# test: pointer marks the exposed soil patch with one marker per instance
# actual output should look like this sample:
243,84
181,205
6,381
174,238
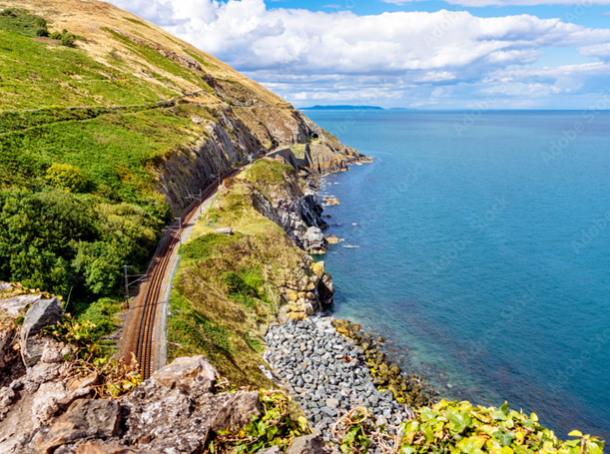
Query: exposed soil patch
55,42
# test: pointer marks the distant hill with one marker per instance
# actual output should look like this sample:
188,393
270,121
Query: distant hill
342,108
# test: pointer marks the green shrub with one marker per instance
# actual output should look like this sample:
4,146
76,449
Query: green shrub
55,35
101,314
68,40
22,22
39,233
9,12
229,101
65,176
462,428
40,22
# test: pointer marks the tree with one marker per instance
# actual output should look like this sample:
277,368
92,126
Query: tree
39,234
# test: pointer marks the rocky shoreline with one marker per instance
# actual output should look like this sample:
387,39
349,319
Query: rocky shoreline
327,374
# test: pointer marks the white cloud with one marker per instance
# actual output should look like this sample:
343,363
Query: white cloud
309,55
483,3
601,51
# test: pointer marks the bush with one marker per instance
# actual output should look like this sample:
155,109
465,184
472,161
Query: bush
38,237
9,12
40,22
68,40
462,428
42,32
65,176
55,35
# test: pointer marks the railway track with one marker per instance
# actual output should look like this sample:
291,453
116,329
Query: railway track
144,349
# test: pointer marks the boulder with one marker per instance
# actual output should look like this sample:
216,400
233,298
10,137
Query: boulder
18,304
42,313
309,444
86,418
188,374
332,239
326,290
314,241
319,269
237,412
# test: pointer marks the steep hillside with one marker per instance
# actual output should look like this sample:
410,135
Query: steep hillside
109,126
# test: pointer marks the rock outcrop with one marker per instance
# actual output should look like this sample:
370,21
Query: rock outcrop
173,412
42,313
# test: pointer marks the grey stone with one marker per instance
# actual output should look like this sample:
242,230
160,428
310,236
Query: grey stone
86,418
309,444
40,314
238,411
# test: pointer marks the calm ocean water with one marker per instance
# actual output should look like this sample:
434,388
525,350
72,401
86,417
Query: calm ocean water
482,250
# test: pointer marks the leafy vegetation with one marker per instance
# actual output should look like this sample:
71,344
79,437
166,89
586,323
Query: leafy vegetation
65,176
22,22
278,426
57,241
92,358
459,428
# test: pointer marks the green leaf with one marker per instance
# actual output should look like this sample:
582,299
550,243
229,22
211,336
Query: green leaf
593,448
504,408
429,434
471,444
427,414
575,433
505,438
459,421
499,415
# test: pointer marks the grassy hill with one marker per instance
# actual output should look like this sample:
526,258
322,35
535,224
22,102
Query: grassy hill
107,126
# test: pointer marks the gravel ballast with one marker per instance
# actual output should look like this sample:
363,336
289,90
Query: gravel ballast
326,373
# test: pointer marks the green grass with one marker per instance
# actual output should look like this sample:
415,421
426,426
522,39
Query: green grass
268,171
193,332
203,247
137,22
102,313
35,74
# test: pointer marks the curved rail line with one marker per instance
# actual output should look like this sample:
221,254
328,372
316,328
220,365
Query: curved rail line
158,270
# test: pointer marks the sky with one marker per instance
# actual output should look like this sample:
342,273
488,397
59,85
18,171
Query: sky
417,54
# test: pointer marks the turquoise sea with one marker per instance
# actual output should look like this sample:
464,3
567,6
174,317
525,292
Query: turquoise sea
478,243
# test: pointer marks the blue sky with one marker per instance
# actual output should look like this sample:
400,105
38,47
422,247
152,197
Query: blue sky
426,54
